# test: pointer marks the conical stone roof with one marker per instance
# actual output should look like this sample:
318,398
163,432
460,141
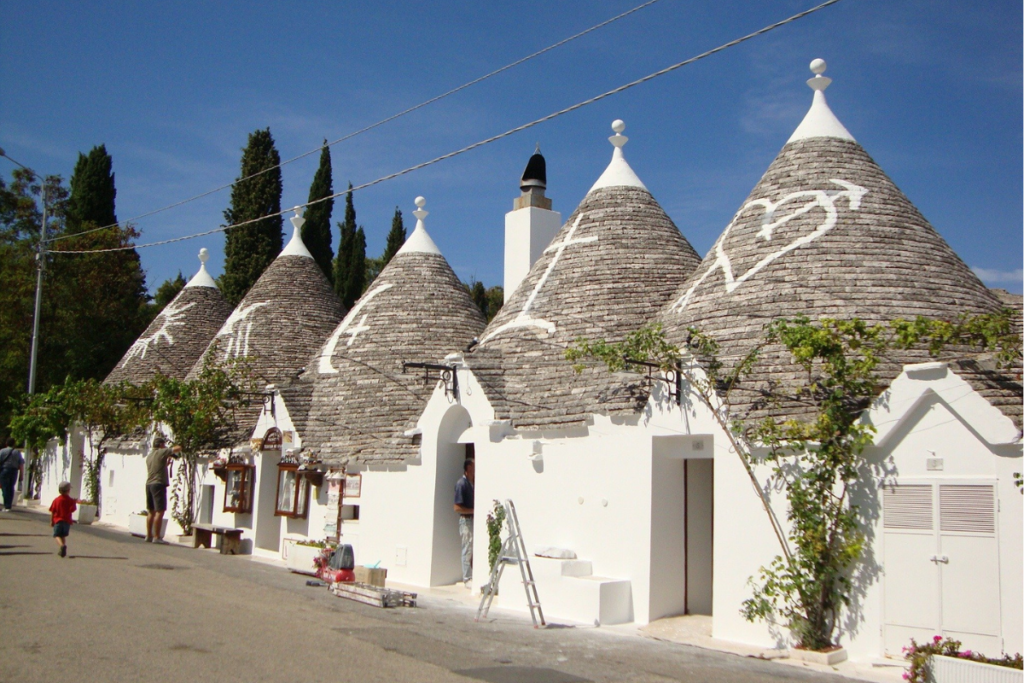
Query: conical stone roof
416,310
825,233
279,324
179,335
610,268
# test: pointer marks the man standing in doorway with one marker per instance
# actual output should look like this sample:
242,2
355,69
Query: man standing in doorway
156,488
464,506
12,468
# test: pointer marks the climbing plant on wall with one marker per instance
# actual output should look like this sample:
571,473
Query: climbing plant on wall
815,459
201,415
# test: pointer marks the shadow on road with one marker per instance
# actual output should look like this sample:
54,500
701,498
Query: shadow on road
94,557
7,534
21,552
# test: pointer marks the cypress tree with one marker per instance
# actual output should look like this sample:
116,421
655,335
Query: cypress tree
316,231
345,244
104,299
396,238
249,249
356,275
92,192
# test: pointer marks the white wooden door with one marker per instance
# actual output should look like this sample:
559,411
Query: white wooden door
941,573
969,560
911,583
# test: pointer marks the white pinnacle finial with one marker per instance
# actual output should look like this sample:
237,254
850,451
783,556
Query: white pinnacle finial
202,278
618,139
820,122
537,150
819,82
419,241
297,220
419,212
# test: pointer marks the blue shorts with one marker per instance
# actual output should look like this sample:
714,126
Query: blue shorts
61,529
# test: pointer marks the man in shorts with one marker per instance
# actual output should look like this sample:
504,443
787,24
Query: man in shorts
156,487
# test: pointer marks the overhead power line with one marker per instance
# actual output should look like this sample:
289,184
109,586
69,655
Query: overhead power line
372,125
517,129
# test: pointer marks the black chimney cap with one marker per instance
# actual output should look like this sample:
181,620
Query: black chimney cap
536,173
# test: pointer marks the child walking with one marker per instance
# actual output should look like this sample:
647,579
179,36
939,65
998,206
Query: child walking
60,516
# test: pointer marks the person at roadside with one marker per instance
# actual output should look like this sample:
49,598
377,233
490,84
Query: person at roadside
156,487
61,510
464,506
12,468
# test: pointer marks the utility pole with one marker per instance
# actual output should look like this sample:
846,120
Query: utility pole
40,266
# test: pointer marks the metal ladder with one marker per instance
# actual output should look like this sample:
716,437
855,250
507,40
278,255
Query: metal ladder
513,551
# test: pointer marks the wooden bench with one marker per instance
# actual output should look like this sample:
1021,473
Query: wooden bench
231,539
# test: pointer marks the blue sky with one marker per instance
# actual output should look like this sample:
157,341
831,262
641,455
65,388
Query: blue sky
932,89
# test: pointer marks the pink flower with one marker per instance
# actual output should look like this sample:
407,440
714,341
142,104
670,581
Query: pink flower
966,654
906,676
937,639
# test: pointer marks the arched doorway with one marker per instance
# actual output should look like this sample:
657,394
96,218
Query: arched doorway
446,561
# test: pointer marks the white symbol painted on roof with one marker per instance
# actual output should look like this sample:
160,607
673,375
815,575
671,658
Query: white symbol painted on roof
824,199
325,367
524,319
238,327
172,317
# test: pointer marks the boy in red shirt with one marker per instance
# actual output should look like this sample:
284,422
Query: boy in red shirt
60,516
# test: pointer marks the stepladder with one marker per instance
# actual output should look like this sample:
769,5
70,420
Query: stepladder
513,552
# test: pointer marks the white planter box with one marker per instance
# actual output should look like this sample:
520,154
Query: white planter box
137,526
956,670
85,514
299,558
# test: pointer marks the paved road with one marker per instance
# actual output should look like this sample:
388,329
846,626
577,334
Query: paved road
117,609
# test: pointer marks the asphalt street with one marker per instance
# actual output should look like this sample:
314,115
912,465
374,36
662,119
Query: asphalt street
118,609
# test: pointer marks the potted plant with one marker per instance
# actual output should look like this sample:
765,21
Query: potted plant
942,661
137,525
300,555
86,512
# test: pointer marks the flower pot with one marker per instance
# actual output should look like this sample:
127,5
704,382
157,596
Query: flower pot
299,558
85,514
137,526
827,658
955,670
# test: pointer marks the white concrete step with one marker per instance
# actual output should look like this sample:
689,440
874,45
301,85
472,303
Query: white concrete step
568,590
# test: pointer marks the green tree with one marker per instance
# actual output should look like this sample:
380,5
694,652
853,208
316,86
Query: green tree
343,259
816,459
92,192
356,271
396,238
94,304
20,221
166,292
250,248
488,299
316,231
200,415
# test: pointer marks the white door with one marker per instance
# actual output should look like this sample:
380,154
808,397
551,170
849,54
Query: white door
970,565
911,601
941,564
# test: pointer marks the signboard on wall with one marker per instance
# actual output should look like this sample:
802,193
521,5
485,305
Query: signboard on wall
353,485
272,440
333,513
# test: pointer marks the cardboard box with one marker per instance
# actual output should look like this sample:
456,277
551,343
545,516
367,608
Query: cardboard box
374,577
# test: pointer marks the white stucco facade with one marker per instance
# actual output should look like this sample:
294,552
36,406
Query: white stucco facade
634,498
